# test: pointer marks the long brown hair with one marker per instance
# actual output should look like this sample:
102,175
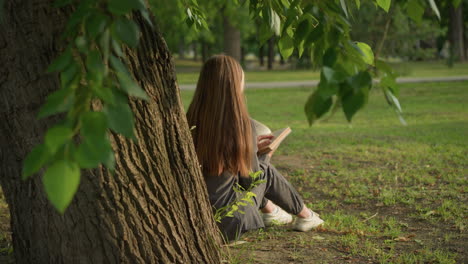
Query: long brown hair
222,133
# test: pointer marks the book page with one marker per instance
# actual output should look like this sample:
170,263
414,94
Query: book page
260,128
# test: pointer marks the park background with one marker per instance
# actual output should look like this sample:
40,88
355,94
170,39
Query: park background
388,192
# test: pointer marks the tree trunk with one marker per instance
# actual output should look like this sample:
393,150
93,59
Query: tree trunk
271,52
242,56
153,209
181,48
195,51
204,50
456,32
261,55
232,40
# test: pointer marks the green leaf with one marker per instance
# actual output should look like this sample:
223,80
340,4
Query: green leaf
91,152
120,118
316,106
145,14
286,46
122,7
264,34
81,44
95,66
35,160
104,45
61,181
275,22
362,80
368,55
315,35
68,76
332,75
352,101
83,10
126,31
95,147
384,4
116,47
302,30
61,62
300,48
415,10
104,93
57,136
126,81
95,24
393,100
110,161
358,4
344,7
434,8
330,56
59,101
327,89
94,125
384,67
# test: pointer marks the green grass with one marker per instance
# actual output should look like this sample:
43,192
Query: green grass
187,72
392,193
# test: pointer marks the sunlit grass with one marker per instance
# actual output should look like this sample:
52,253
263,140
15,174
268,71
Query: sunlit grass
393,193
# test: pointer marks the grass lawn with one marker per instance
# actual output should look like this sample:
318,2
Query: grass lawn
388,193
187,72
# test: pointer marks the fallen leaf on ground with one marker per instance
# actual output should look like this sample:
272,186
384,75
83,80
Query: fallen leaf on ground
402,239
318,238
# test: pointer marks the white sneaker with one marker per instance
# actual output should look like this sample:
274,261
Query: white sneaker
279,217
307,224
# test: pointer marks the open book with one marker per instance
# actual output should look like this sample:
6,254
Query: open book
279,136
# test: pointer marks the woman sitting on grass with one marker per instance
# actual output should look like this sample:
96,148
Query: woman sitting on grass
226,144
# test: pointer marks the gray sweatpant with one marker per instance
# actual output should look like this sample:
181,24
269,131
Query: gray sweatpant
275,188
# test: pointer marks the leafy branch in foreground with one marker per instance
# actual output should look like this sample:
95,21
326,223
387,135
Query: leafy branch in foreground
322,29
244,198
91,73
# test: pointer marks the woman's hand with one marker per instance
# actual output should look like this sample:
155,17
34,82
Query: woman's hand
264,140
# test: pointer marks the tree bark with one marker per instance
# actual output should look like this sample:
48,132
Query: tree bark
456,32
181,48
204,50
153,209
232,39
261,55
195,51
271,52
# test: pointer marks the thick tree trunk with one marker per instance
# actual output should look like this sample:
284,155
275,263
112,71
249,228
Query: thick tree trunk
153,209
232,39
456,32
271,52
